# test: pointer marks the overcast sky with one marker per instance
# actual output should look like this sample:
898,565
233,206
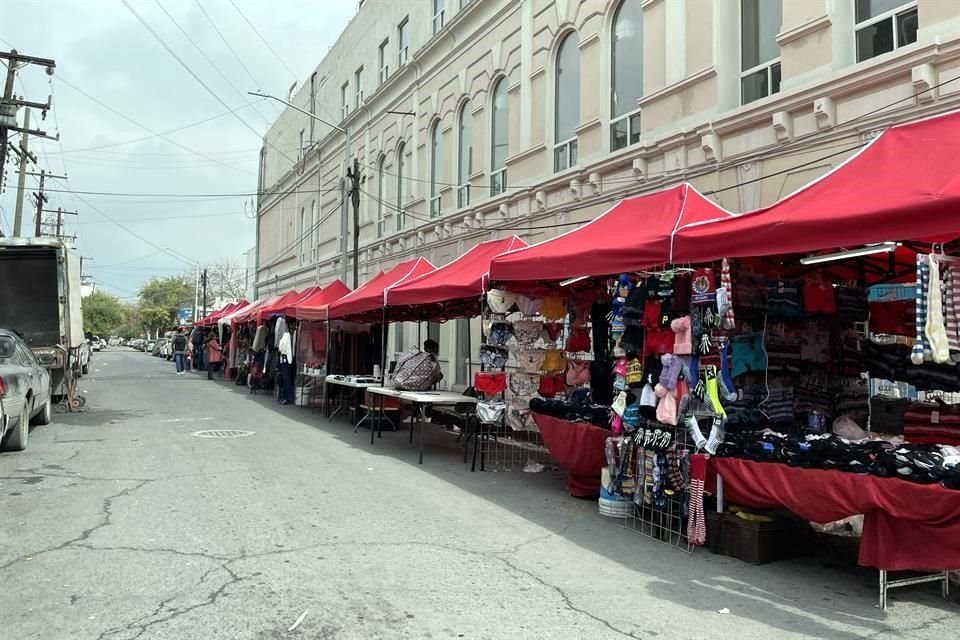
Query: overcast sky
101,48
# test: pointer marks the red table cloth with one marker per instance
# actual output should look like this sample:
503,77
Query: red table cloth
905,525
578,447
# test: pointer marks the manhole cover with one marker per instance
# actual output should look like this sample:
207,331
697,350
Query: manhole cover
222,433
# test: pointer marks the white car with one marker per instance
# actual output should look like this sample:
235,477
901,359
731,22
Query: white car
96,344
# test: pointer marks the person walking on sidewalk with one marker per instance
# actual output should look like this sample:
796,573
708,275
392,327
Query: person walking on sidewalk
180,351
285,349
214,354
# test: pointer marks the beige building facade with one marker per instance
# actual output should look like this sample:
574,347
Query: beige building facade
476,119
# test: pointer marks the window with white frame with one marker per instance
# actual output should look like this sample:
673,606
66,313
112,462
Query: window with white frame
883,26
344,103
402,43
383,63
436,169
626,74
301,237
760,22
499,138
315,233
262,179
437,16
358,87
301,148
401,176
465,154
381,193
566,103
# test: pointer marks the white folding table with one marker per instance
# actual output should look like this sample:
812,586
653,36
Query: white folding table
419,401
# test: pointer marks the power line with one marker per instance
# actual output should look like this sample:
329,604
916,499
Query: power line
152,132
211,62
240,194
199,80
219,33
165,218
263,40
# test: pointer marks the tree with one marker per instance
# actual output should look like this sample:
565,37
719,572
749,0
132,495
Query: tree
161,298
226,279
103,314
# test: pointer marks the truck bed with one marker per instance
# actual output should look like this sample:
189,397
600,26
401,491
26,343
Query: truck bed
30,294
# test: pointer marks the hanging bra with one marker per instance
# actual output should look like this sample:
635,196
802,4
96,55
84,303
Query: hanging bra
493,357
500,301
490,412
554,360
578,372
551,385
519,419
532,360
490,382
552,331
499,333
528,331
529,306
524,385
579,340
554,308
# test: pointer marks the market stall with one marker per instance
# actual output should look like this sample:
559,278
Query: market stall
773,349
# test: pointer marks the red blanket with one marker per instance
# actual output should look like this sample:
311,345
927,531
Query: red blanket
578,447
905,526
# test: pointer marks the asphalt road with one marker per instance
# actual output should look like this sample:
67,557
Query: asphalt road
120,523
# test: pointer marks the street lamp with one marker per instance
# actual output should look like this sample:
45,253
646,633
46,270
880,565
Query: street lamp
343,185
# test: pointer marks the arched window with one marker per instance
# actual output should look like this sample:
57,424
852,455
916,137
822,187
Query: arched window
315,235
499,138
626,74
465,154
566,103
401,176
380,195
301,237
436,168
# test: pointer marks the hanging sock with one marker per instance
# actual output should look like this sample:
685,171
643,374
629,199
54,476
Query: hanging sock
935,327
921,348
951,303
713,391
729,321
717,434
729,389
697,522
693,428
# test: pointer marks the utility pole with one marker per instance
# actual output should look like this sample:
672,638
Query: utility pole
204,293
344,207
355,180
58,223
41,200
7,110
24,156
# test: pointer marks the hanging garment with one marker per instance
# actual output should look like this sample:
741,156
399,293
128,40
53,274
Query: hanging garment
951,303
935,328
921,349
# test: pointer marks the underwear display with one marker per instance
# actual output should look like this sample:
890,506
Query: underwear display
501,301
489,382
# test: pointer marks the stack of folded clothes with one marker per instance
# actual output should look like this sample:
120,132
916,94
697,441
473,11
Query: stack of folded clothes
923,464
887,414
892,362
595,414
932,423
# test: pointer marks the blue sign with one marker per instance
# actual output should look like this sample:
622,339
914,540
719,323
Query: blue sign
184,316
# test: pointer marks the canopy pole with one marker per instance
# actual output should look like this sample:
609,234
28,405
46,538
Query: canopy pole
383,349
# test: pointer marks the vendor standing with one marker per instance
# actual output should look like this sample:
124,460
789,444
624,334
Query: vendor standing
285,349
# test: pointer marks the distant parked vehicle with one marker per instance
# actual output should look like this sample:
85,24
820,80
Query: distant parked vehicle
24,391
96,344
150,346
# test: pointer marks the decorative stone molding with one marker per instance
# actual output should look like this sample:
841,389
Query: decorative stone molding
479,218
710,143
468,221
783,126
447,229
504,210
541,199
803,30
924,78
421,236
596,182
825,112
575,189
639,168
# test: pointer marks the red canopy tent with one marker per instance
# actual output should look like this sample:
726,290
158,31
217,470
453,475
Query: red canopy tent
366,303
250,313
905,185
277,305
452,290
219,313
314,306
633,234
287,310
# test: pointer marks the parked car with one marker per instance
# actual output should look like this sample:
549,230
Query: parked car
24,391
86,353
149,346
96,344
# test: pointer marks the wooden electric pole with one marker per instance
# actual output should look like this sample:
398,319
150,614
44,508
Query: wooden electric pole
356,178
